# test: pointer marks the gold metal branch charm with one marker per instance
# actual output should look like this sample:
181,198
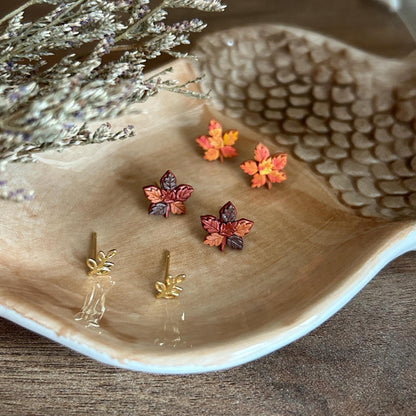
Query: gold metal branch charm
94,304
169,289
99,265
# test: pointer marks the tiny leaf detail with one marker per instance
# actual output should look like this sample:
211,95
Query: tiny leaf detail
235,241
225,230
160,287
178,208
210,224
157,209
153,194
213,240
111,253
243,227
91,263
218,145
101,266
168,181
101,256
169,197
265,169
228,212
183,192
169,289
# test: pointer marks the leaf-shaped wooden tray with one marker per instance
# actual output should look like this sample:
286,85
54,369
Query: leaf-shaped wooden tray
348,208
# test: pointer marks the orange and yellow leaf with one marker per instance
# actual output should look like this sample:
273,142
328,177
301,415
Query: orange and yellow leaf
249,166
276,177
258,181
216,142
230,137
265,167
212,154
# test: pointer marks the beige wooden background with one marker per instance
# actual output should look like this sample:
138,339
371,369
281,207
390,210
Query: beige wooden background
361,362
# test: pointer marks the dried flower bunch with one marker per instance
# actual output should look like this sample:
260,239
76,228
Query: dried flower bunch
46,104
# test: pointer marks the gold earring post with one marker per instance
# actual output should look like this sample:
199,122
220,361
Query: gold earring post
167,265
93,246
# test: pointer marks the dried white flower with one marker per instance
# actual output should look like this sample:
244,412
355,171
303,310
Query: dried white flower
47,106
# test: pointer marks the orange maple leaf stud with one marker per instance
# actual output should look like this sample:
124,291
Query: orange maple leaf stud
265,169
218,145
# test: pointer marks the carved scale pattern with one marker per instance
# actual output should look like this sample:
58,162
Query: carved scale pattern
326,104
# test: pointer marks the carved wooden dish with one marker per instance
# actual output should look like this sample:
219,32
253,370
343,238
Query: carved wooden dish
348,208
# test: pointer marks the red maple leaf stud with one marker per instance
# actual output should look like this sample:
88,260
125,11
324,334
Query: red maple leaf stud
169,197
226,230
218,145
265,169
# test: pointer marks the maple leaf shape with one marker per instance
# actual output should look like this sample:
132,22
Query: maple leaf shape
265,169
235,241
153,194
218,145
243,227
169,197
178,207
214,239
210,224
225,230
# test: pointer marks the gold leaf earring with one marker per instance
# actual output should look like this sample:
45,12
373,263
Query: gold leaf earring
99,267
169,289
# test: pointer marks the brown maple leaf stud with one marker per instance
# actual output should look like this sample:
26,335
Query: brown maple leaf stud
168,197
226,230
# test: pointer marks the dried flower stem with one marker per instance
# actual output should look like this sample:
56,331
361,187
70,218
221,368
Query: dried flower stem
46,104
19,10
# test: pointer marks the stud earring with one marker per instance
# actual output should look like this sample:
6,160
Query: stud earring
167,197
265,168
99,266
218,145
169,288
225,230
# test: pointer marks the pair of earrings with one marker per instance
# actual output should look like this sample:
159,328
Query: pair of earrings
168,197
99,266
265,168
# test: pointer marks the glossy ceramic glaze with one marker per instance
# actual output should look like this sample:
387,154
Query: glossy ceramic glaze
318,238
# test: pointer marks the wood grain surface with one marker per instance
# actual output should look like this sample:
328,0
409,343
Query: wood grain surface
361,362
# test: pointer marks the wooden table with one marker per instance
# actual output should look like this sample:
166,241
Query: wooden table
361,362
